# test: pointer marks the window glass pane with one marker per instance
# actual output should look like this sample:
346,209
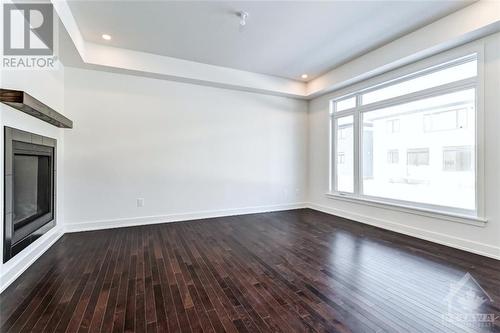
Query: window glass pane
447,75
345,154
430,158
345,104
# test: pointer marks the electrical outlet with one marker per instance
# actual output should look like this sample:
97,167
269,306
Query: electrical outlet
140,202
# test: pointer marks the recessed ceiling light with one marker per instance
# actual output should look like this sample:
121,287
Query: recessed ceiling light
304,76
106,37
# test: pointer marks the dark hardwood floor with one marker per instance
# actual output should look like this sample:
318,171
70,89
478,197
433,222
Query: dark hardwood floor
292,271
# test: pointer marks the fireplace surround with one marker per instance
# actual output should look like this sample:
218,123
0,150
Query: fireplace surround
29,188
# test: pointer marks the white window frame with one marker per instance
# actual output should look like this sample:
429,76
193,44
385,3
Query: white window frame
422,67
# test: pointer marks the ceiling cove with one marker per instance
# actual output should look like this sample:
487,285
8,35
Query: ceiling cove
233,68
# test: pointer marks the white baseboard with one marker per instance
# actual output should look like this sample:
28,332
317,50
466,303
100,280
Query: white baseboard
455,242
12,269
435,237
136,221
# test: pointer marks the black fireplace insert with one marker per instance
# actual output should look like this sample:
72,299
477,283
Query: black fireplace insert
28,189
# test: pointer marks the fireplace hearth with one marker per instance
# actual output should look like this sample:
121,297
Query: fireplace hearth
29,189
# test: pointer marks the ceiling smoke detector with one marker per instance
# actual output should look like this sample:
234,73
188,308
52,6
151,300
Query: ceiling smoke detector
243,17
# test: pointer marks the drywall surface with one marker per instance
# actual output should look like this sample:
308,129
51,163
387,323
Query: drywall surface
186,150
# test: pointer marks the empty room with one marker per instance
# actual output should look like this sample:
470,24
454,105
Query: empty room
250,166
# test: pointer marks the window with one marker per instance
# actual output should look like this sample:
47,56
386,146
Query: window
393,156
457,158
345,104
417,157
341,158
433,112
459,72
393,126
445,120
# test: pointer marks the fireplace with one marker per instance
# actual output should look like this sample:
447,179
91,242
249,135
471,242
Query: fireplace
28,189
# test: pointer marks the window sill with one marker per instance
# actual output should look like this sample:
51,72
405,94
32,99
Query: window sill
471,220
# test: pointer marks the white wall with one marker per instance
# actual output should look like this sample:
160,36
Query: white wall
48,87
483,240
188,150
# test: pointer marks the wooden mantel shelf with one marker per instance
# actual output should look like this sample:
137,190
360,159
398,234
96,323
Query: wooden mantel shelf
28,104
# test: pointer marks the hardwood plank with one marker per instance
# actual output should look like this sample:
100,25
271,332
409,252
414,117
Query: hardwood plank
290,271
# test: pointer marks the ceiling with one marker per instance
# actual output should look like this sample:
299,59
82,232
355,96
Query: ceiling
281,38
